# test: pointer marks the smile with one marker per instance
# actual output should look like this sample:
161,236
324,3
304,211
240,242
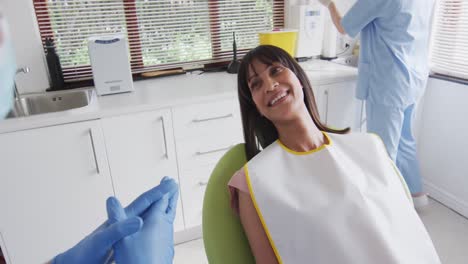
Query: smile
278,98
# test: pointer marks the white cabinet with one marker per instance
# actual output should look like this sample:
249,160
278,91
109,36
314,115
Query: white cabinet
141,151
53,187
204,132
338,106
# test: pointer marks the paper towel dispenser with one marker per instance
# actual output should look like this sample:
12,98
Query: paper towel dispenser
110,63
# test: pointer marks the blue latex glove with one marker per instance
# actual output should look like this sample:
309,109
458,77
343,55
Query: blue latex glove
154,243
96,247
144,201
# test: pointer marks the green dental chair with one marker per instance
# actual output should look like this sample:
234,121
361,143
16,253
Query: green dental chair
223,235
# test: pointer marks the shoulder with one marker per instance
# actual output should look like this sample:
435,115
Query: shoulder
376,139
238,181
237,186
352,137
377,8
357,141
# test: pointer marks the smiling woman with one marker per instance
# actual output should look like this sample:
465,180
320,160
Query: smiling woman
314,194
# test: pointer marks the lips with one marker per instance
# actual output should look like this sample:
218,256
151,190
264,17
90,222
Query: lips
278,98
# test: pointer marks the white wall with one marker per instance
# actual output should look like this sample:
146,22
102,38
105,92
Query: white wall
27,43
443,145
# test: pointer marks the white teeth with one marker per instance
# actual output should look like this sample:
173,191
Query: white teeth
272,102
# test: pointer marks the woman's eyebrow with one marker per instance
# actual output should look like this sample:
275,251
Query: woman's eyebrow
258,74
251,68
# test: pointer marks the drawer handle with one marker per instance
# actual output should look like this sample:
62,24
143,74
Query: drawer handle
197,120
94,151
198,153
166,155
202,183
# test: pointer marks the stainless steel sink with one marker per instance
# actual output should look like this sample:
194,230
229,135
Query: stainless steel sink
46,103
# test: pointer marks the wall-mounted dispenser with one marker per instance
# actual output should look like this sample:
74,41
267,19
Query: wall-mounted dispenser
110,62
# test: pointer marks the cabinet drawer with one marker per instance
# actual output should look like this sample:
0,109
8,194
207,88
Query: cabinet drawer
205,150
196,120
193,184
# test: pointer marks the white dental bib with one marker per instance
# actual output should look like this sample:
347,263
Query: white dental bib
344,202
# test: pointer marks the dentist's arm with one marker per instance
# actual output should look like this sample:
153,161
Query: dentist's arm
335,14
336,17
94,249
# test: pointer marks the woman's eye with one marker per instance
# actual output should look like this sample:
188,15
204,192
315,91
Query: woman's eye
276,70
254,85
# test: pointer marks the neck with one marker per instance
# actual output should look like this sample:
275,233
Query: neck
300,134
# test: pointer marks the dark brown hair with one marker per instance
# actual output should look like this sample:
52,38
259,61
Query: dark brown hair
258,130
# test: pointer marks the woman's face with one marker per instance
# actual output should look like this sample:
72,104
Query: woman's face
276,91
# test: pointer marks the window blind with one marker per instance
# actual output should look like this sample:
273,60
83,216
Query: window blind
161,34
449,55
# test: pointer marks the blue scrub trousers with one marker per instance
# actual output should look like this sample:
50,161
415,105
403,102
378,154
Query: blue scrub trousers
393,125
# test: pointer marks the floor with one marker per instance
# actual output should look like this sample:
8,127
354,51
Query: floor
191,252
449,232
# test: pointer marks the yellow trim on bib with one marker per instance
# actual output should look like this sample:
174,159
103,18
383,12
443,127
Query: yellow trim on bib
306,152
402,180
272,243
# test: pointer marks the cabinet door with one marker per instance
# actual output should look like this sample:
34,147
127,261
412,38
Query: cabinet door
197,159
342,109
204,132
53,189
321,97
141,151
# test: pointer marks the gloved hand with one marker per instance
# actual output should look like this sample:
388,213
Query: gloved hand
154,243
144,201
94,248
325,3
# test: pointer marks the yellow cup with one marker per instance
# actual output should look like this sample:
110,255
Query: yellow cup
285,39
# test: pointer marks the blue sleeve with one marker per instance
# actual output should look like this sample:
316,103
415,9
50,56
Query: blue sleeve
364,12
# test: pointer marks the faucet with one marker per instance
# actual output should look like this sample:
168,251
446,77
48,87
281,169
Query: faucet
20,70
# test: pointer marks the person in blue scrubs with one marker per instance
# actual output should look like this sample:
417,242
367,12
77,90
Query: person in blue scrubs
140,233
393,72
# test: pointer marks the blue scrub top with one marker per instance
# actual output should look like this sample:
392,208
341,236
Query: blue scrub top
393,60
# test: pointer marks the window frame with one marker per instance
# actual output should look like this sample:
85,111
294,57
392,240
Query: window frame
136,53
434,31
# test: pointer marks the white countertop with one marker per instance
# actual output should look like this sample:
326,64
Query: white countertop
170,91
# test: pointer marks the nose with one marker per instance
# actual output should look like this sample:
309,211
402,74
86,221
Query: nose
272,84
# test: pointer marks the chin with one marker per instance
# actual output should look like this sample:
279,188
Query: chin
283,118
